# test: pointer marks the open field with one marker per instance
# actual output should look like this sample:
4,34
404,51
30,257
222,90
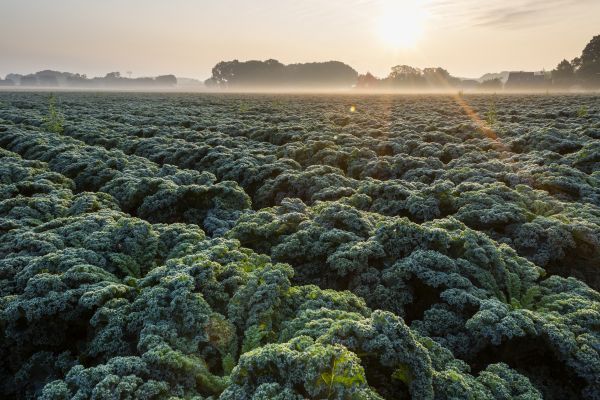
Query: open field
294,246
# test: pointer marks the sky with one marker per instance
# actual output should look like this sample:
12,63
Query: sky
188,37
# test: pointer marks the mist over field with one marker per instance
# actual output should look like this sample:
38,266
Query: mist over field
579,75
298,200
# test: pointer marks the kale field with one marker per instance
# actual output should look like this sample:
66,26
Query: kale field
239,247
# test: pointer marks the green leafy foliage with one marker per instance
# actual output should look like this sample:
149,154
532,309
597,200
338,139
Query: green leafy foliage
235,247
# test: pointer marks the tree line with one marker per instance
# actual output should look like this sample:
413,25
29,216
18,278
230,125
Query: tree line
272,73
583,71
49,78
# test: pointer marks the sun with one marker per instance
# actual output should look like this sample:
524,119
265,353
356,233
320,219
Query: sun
401,23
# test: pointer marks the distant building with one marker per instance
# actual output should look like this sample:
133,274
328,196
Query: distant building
525,80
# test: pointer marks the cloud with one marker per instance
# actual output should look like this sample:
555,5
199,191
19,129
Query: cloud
510,18
508,14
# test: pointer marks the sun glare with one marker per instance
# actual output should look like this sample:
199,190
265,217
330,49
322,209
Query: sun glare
401,23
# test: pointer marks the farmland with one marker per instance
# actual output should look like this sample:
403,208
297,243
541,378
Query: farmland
239,247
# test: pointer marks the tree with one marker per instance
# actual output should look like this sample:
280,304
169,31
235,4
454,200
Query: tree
272,73
113,75
405,75
321,74
564,74
166,80
367,81
589,69
491,84
439,77
211,83
29,80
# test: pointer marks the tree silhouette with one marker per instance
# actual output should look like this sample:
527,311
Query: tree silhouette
564,74
367,81
491,84
439,77
589,63
405,75
272,73
166,80
113,75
